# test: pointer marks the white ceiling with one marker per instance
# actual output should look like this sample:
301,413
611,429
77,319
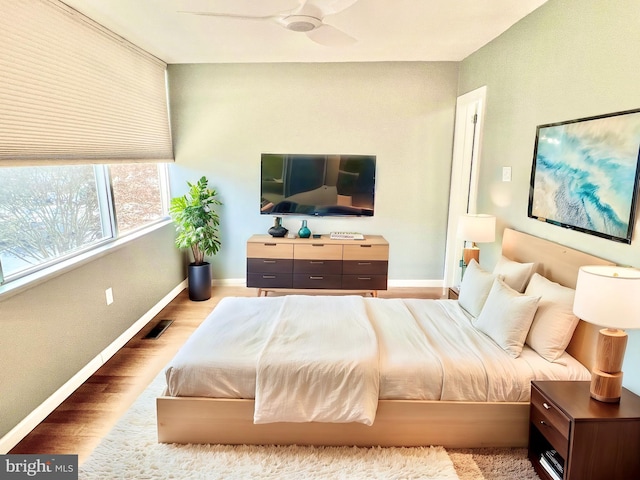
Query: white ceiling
387,30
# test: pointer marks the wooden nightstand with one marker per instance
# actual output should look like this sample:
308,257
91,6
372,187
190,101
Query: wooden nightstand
453,293
596,440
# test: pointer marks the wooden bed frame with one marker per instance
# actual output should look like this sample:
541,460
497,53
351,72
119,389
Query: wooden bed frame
398,422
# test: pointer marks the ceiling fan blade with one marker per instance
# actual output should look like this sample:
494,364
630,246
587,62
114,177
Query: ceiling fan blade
330,36
327,7
234,15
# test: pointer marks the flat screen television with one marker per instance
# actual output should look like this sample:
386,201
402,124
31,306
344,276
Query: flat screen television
317,185
585,174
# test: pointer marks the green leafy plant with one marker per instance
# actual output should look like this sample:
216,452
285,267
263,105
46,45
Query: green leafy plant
196,220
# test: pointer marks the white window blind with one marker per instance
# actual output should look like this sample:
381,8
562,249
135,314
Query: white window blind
71,91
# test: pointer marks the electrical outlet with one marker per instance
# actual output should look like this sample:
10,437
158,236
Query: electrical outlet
506,174
109,295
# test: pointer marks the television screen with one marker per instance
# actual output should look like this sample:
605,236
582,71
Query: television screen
320,185
585,174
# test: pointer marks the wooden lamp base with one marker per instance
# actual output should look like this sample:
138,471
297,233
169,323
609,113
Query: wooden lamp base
606,377
472,253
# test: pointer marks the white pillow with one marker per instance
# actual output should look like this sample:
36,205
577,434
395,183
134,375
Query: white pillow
507,316
554,322
514,274
474,288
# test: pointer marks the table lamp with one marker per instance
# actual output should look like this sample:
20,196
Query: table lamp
475,228
608,296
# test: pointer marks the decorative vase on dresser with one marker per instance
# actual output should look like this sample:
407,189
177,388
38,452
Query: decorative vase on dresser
277,230
304,231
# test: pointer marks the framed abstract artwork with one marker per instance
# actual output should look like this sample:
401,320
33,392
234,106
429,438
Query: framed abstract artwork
585,174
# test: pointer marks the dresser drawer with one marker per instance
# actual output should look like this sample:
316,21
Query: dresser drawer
270,280
318,266
364,282
269,265
365,251
269,250
359,267
301,280
317,251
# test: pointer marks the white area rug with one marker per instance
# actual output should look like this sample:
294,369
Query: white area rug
131,451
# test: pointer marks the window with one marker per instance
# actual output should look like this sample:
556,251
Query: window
137,195
51,213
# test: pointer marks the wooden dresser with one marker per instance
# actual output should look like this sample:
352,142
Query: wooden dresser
317,263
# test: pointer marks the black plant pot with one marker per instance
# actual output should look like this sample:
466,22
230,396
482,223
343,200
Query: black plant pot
199,282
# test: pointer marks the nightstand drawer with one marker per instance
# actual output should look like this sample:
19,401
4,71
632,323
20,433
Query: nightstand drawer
557,440
551,413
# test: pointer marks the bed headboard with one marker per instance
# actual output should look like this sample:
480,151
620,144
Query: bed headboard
559,264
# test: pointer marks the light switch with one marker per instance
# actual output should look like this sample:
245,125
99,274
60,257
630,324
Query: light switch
506,174
109,295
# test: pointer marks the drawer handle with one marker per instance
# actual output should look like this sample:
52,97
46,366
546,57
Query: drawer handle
270,244
316,278
364,263
268,276
316,262
268,261
317,244
365,246
364,278
546,405
542,422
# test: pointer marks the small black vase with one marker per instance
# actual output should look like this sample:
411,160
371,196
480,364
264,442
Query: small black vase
277,230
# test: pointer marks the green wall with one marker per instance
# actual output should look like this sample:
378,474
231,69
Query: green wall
51,330
224,116
568,59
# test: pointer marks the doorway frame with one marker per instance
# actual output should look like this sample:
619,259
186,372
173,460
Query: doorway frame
465,167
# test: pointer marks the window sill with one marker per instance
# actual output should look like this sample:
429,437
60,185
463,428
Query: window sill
37,278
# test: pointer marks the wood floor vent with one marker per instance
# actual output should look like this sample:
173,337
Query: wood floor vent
158,329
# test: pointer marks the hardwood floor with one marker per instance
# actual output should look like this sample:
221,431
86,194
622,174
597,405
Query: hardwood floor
80,422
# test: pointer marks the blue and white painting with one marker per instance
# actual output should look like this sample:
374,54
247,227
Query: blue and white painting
585,174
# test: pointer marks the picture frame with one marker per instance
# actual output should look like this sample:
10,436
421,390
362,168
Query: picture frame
585,174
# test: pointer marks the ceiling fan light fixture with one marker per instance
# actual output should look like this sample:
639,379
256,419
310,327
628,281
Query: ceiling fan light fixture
301,23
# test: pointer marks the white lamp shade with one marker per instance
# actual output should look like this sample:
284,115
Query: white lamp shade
608,296
477,228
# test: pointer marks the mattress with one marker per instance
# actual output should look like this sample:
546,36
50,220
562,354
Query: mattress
426,350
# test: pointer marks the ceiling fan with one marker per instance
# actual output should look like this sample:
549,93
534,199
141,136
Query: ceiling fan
307,18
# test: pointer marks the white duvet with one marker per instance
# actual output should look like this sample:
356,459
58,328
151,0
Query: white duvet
329,358
319,364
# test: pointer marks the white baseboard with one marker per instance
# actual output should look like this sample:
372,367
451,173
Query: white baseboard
416,283
22,429
229,282
241,282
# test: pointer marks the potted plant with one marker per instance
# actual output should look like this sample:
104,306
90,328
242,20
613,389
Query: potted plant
197,225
